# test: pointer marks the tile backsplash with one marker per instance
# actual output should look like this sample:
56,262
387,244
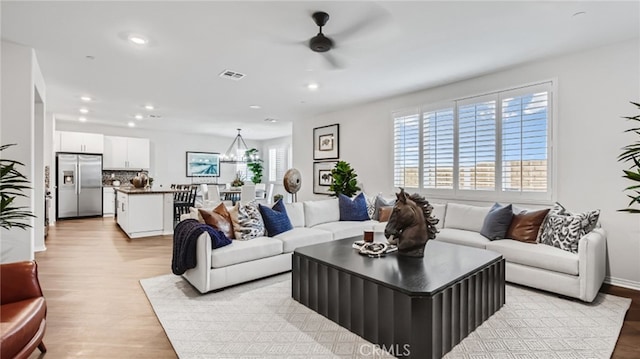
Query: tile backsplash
125,177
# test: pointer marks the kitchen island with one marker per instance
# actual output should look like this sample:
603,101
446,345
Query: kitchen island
145,212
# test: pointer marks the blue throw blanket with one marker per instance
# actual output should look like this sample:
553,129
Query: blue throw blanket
185,238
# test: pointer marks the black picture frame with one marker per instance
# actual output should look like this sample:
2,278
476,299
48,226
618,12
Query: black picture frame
326,142
202,164
320,182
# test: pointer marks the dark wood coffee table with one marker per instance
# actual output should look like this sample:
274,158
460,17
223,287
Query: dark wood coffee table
412,307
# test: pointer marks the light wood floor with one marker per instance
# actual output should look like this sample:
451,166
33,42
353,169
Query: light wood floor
97,309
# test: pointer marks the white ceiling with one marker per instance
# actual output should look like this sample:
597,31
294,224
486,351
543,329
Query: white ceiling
409,46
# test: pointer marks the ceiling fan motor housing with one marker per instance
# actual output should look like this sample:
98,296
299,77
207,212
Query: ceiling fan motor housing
320,43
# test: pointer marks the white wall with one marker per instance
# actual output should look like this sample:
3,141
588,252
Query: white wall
168,150
21,80
594,90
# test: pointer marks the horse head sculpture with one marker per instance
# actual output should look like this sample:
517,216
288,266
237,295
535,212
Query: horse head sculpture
411,224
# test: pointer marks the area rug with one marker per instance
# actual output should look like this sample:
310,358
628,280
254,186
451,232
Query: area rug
260,320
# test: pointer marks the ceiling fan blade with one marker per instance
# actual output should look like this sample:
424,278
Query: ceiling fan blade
335,64
374,18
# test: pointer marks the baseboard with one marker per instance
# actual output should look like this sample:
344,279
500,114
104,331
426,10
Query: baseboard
623,283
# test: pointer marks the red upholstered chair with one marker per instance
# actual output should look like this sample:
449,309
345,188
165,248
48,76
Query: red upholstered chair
22,310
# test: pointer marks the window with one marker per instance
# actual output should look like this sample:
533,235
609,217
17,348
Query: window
437,134
493,144
279,162
406,150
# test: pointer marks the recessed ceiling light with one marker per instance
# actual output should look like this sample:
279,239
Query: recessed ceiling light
272,120
149,107
84,110
579,13
138,39
312,86
255,107
82,119
139,117
86,98
131,124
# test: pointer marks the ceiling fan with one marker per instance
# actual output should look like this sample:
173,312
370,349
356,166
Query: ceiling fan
322,43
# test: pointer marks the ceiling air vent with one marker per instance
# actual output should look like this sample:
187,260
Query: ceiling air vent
232,75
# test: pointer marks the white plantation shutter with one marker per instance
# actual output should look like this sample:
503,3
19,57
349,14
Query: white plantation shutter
437,134
406,151
524,142
278,163
477,145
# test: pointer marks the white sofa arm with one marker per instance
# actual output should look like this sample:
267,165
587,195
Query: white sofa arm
592,250
200,275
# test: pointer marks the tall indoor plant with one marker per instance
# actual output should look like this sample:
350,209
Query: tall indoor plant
254,163
12,185
344,180
632,153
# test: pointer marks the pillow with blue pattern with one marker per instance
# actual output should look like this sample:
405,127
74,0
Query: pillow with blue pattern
275,219
353,210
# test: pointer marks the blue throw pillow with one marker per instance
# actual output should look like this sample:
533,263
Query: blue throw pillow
275,219
353,210
497,222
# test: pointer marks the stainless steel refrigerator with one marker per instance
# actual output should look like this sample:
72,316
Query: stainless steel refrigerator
79,185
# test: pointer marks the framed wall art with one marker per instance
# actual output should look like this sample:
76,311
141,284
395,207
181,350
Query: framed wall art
326,142
203,164
322,178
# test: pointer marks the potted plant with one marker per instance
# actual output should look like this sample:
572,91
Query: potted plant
238,181
12,185
632,153
255,165
344,180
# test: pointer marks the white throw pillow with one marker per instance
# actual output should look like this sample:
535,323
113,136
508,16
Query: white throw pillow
295,212
323,211
464,216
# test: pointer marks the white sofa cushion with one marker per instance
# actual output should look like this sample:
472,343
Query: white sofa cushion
323,211
439,211
244,251
464,216
347,229
295,211
300,237
536,255
463,237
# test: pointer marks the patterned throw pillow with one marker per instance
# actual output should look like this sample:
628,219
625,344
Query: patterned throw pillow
247,221
353,210
381,202
371,204
275,219
563,230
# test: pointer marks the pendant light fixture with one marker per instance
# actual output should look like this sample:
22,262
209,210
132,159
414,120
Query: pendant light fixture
237,151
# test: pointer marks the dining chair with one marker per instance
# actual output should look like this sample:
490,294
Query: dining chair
214,197
261,190
270,193
247,193
185,200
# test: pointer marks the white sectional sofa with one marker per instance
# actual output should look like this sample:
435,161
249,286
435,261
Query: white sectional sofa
578,275
535,265
313,221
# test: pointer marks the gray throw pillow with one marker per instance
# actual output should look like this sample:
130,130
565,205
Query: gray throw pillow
497,222
381,202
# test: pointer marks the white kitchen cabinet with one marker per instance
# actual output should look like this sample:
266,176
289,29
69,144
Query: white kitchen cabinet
126,153
138,152
144,213
108,201
80,142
